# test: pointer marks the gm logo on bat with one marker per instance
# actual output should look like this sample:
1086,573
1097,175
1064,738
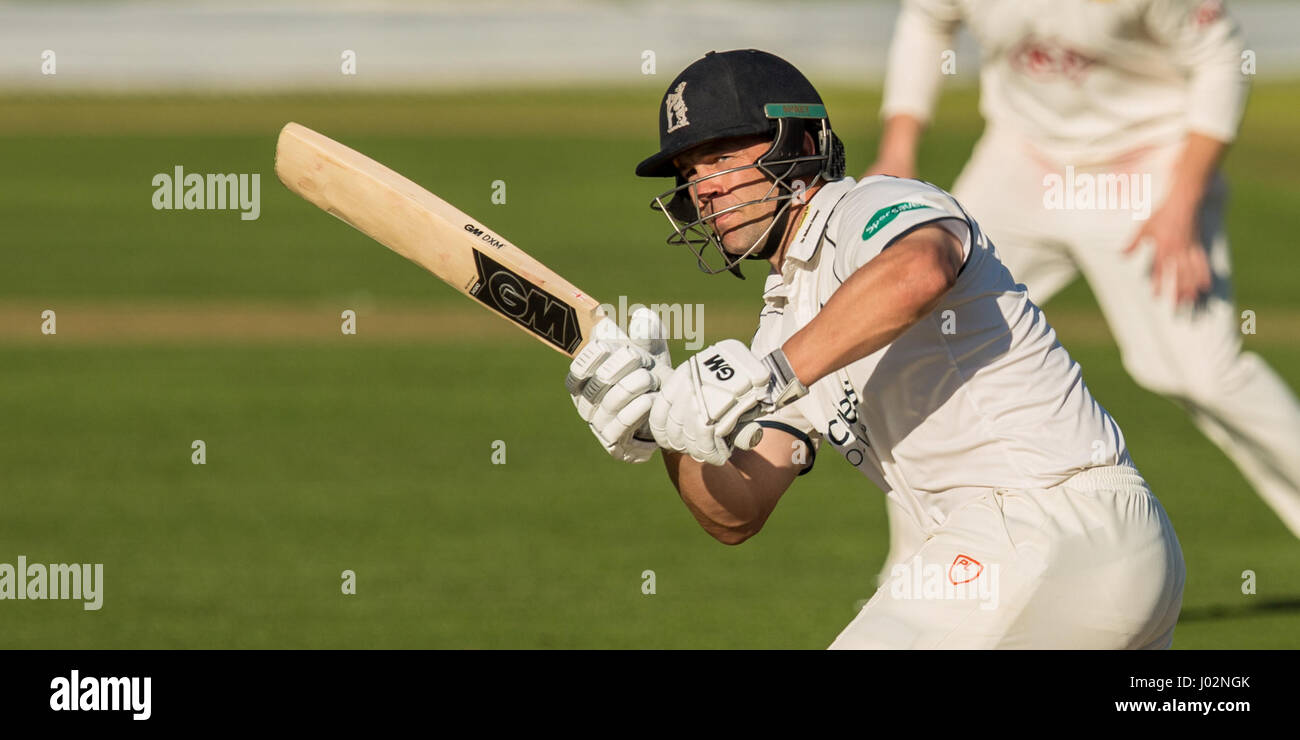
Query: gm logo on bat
471,228
519,300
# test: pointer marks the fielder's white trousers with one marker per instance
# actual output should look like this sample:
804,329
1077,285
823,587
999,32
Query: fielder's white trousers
1092,563
1191,355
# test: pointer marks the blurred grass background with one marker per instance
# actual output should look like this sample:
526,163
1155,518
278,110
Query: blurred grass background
326,453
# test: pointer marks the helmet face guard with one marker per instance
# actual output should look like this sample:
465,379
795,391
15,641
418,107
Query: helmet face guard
790,173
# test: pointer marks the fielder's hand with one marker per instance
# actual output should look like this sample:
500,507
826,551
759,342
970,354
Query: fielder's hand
719,390
1179,260
612,382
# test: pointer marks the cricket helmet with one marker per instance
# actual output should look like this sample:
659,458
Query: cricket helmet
734,94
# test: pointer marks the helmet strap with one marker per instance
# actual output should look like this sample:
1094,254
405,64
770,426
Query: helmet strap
775,236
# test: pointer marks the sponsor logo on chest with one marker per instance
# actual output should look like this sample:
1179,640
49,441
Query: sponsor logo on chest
845,428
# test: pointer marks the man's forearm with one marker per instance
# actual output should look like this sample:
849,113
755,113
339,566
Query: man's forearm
878,302
899,141
1192,171
731,502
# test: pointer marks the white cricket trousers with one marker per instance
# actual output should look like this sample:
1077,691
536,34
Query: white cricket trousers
1193,356
1091,563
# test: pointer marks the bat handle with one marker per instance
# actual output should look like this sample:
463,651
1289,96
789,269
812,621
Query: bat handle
748,436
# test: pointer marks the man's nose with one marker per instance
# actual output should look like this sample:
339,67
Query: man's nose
708,186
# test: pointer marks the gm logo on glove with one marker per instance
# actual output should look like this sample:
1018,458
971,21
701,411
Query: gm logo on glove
721,370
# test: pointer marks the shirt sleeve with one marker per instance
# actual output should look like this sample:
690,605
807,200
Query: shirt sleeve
884,209
1207,43
924,30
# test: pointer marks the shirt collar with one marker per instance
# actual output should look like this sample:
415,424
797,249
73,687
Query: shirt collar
775,290
808,237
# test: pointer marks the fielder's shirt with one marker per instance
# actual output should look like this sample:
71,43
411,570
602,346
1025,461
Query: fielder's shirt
1081,80
977,395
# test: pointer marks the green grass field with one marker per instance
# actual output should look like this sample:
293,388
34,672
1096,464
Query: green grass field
327,452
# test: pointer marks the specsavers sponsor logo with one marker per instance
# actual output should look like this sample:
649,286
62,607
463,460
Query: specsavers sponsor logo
882,217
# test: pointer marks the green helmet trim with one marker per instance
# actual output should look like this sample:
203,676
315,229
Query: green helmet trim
794,110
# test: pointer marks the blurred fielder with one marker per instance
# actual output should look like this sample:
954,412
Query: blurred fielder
1136,98
890,330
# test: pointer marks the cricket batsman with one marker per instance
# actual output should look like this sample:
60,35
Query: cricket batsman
890,330
1136,98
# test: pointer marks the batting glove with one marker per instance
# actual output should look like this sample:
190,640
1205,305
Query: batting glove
719,390
612,382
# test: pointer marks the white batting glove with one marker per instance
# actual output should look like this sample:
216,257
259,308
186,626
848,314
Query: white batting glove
612,380
646,332
715,392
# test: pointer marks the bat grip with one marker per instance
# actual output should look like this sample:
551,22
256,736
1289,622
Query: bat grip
747,436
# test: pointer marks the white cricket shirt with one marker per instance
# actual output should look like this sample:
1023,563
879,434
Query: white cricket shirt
977,395
1083,80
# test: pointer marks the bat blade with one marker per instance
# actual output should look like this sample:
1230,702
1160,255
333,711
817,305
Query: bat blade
432,233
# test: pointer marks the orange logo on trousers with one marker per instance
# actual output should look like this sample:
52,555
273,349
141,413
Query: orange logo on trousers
964,570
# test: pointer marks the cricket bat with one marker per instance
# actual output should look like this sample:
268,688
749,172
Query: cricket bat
435,235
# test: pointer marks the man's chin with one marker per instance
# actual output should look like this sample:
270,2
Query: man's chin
736,245
734,252
741,238
735,242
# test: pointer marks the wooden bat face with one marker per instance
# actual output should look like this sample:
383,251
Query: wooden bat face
427,230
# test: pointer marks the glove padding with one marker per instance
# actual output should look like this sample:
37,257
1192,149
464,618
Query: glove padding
707,398
611,381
